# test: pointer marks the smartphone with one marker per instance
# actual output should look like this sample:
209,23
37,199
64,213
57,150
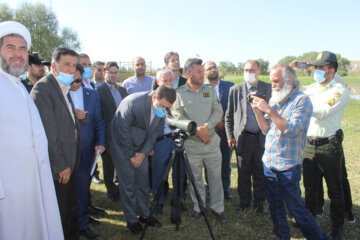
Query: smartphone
300,64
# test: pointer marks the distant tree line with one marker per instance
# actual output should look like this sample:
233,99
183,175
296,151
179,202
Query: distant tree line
46,35
343,63
228,68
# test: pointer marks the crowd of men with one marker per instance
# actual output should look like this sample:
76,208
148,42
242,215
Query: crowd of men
53,126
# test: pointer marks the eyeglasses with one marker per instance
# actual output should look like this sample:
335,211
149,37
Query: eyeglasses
78,80
113,73
211,68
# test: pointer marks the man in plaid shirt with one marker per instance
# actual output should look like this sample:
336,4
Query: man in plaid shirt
285,124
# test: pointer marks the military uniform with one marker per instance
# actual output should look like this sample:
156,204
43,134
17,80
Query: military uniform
28,85
203,107
323,153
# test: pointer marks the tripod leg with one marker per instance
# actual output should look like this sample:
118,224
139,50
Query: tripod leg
201,203
161,189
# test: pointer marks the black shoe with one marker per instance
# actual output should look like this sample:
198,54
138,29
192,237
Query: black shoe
261,209
96,211
183,208
158,209
88,234
241,208
337,233
153,222
194,215
349,217
228,195
220,216
93,222
135,227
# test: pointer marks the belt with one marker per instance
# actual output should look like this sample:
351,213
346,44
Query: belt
317,141
252,133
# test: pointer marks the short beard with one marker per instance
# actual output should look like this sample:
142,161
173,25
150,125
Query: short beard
279,94
12,71
213,78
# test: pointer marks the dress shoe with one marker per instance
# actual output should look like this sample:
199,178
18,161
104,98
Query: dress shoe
88,234
93,222
183,208
228,195
158,210
261,209
135,227
194,215
349,217
152,222
220,216
96,211
241,208
337,233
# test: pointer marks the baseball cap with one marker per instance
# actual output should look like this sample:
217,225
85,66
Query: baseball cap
324,58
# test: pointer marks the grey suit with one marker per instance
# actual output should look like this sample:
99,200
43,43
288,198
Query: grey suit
64,143
109,107
132,132
249,146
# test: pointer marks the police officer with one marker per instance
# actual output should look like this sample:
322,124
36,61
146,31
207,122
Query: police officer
34,71
323,153
198,102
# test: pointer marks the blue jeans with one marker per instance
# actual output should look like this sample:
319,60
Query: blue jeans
283,186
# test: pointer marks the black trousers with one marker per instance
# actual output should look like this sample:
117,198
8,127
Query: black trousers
109,171
346,188
67,201
326,160
250,165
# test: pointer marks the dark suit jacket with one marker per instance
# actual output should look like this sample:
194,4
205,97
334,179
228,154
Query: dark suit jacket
130,128
93,131
224,88
63,134
182,81
236,114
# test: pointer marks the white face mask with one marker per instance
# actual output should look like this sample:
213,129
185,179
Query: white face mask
249,77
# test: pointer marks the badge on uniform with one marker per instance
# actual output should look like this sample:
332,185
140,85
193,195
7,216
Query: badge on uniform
331,102
207,94
337,95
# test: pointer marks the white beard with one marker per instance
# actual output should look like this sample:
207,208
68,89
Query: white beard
278,94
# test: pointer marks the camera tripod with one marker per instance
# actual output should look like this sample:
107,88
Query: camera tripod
178,155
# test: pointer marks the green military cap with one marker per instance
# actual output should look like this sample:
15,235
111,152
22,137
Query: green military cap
324,58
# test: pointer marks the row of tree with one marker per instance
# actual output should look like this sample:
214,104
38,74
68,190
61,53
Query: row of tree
343,63
47,35
44,27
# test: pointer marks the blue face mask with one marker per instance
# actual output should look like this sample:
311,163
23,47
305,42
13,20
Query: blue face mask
65,78
159,112
87,73
319,75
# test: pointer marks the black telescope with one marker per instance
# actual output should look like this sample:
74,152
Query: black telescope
186,125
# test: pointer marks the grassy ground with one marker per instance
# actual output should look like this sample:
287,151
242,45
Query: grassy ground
245,225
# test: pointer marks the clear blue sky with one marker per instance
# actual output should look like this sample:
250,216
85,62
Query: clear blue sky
223,30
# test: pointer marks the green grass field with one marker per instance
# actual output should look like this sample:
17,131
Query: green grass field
244,225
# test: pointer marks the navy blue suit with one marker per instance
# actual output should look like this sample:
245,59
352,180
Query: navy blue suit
224,89
92,134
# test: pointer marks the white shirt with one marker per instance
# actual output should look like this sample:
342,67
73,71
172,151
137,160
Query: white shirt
329,104
77,98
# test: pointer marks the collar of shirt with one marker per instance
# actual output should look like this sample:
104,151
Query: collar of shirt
77,98
110,87
64,89
13,79
187,88
248,85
